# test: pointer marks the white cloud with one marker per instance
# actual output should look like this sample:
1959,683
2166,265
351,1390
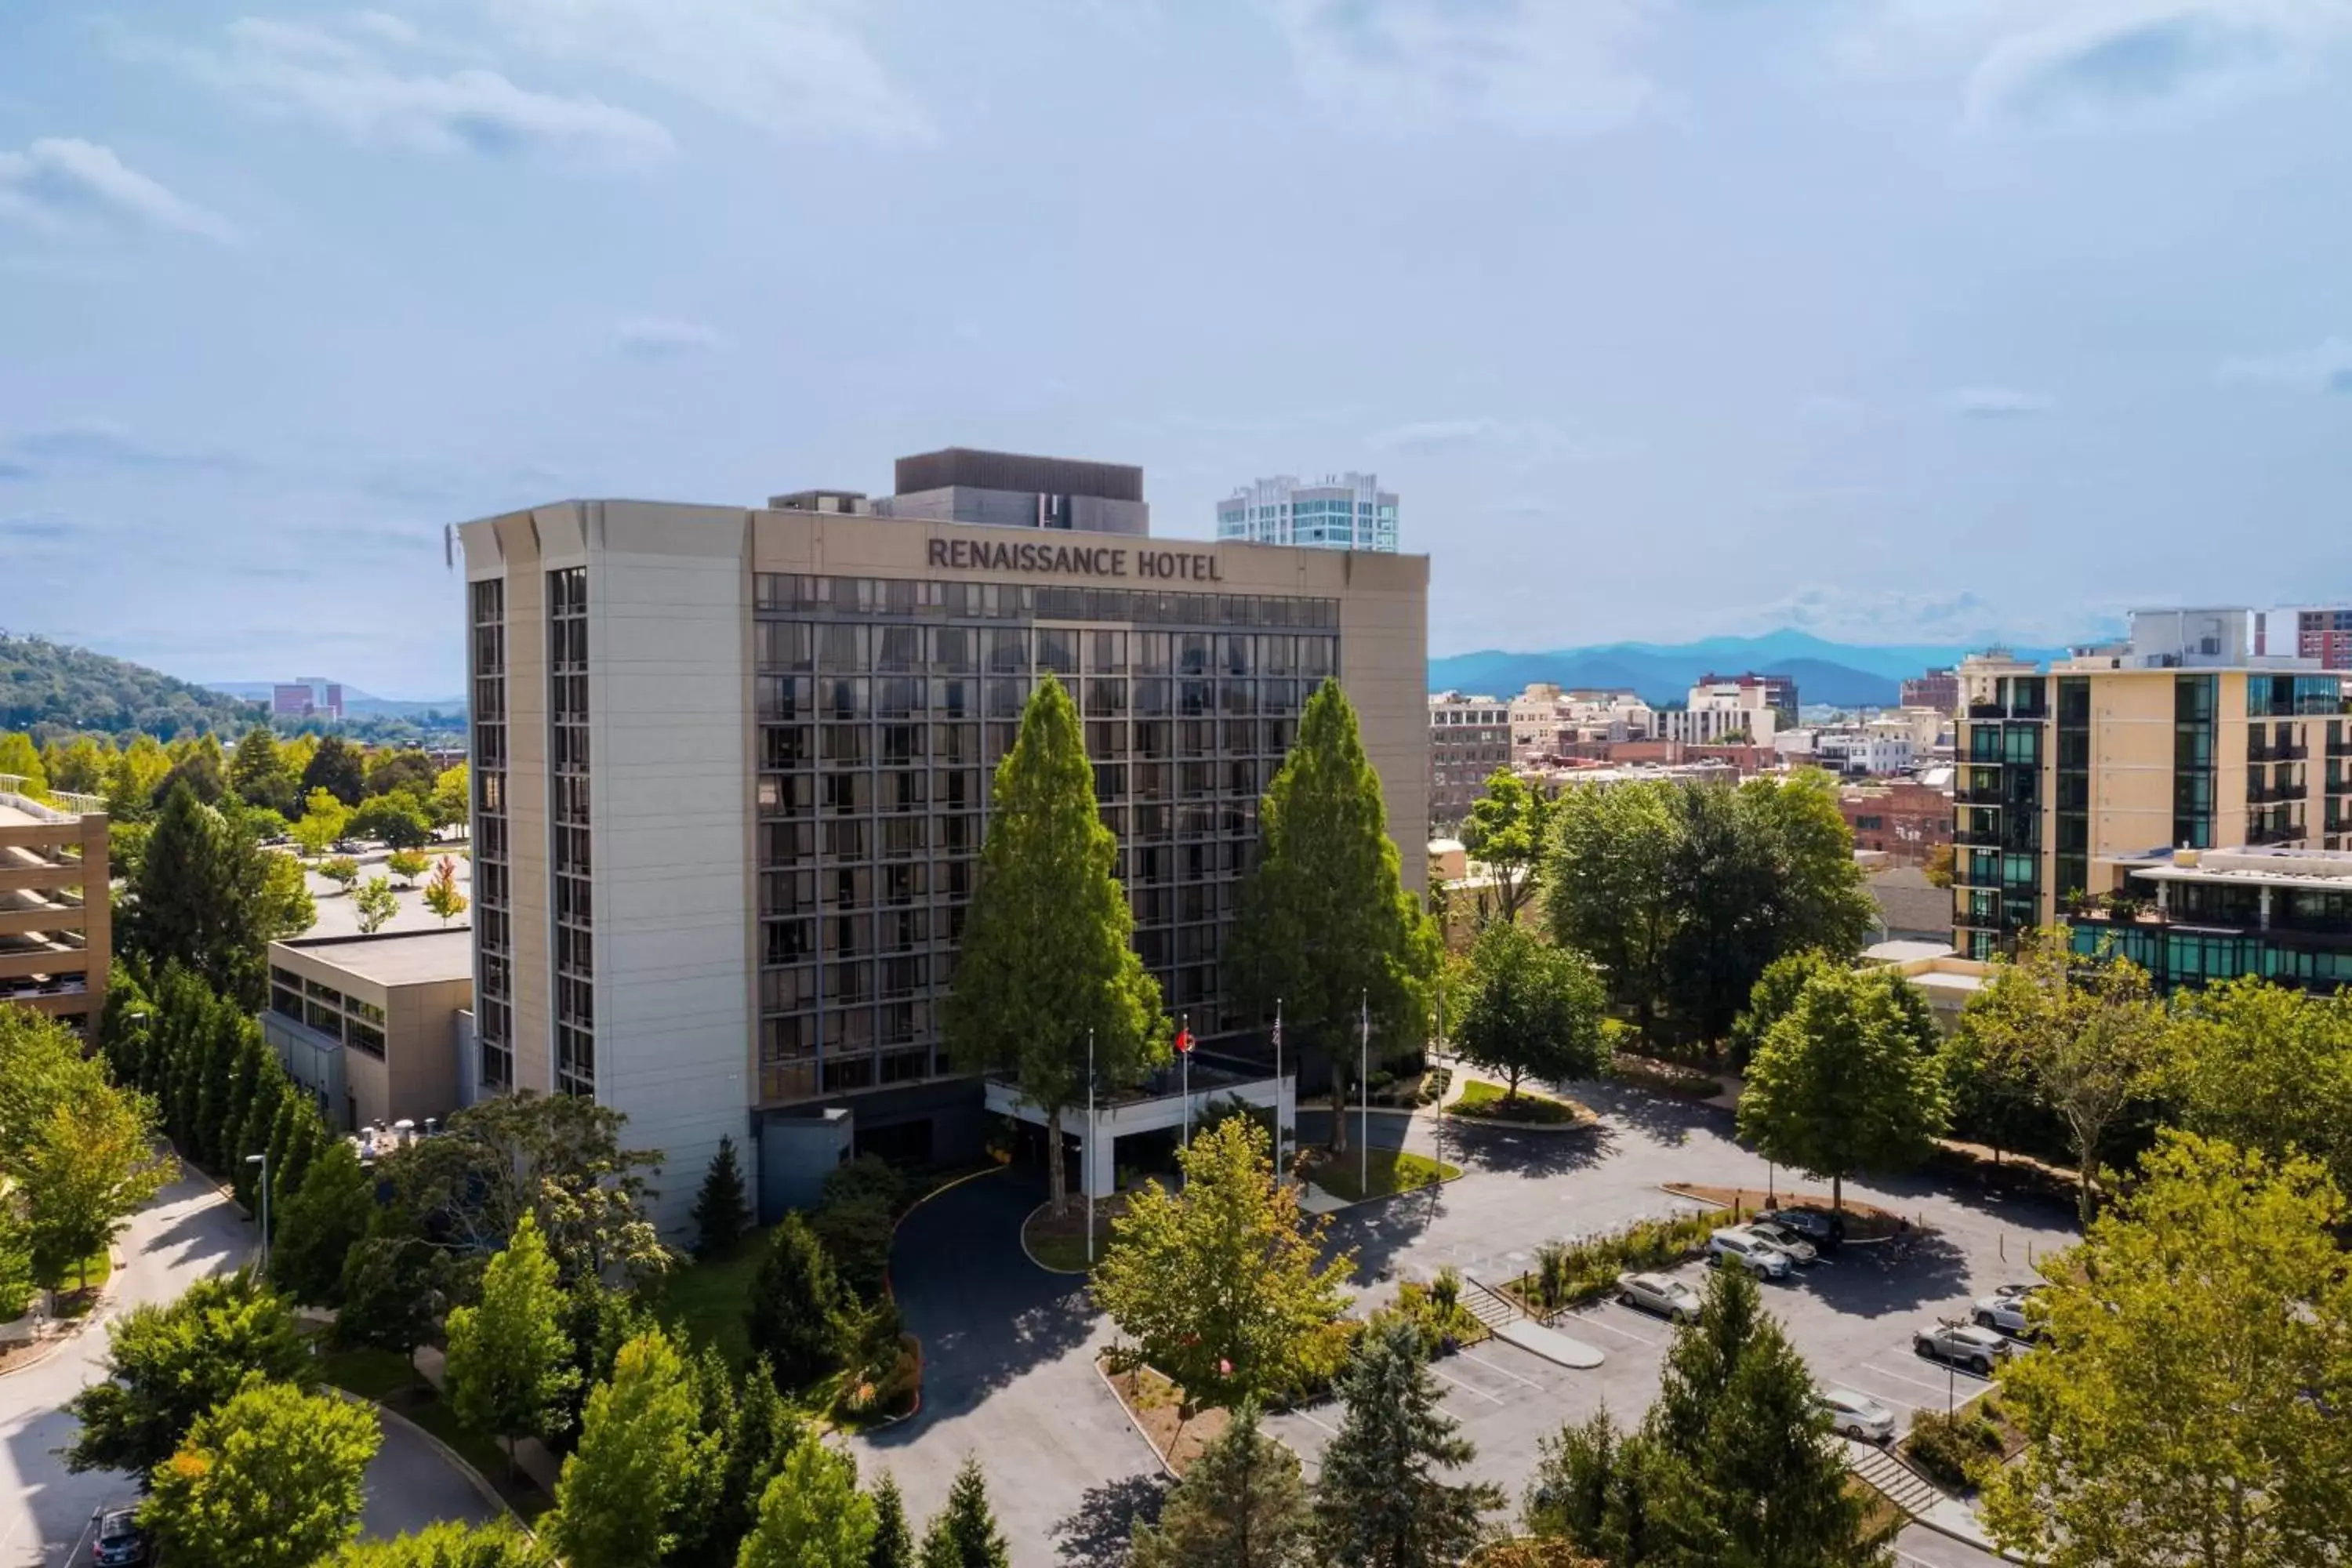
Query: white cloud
1542,68
1998,403
60,184
2325,366
784,64
659,337
339,80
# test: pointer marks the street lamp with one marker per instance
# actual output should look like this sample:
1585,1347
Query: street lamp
262,1160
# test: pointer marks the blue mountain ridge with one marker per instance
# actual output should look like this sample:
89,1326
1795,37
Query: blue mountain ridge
1845,674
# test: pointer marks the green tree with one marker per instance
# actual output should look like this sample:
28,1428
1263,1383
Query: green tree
1606,879
1325,922
509,1361
441,894
1240,1505
2189,1406
93,1165
2087,1032
1505,832
1049,960
1774,994
286,908
269,1480
2264,1068
198,899
720,1213
259,774
16,1283
1724,893
201,769
337,768
812,1515
167,1365
1938,869
797,1317
613,1500
407,865
451,802
1380,1503
319,1223
19,756
322,823
894,1544
767,1430
341,870
449,1545
393,819
1823,900
42,1070
1848,1080
406,771
964,1534
79,765
393,1287
376,903
1218,1283
1532,1008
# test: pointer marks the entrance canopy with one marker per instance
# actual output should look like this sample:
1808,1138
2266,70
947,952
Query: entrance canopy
1156,1104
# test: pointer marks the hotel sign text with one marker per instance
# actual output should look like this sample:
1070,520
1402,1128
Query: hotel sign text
1074,559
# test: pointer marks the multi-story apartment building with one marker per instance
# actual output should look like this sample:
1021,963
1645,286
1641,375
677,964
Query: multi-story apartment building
2194,917
310,697
1545,720
1345,511
732,774
55,919
1938,689
2321,632
1469,738
2071,777
1750,707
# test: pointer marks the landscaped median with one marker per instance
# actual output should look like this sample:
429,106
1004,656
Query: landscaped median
1353,1177
1491,1104
1569,1273
1864,1222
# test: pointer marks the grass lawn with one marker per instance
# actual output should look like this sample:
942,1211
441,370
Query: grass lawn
370,1373
1393,1171
706,1298
1060,1244
74,1297
1486,1103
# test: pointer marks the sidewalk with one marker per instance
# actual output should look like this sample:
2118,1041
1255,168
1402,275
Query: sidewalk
531,1457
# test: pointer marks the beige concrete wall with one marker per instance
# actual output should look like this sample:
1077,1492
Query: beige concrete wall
2131,768
31,872
420,1048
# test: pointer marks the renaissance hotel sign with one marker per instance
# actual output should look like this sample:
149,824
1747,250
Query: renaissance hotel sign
1074,559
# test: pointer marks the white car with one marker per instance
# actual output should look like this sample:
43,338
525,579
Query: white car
1735,1245
1799,1250
1659,1293
2004,1310
1964,1346
1854,1415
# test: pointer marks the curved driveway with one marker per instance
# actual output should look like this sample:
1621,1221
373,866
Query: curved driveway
189,1232
1063,1463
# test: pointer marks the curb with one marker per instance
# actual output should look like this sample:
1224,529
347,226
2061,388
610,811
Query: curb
1032,1258
1584,1125
1137,1427
480,1482
891,1291
1346,1203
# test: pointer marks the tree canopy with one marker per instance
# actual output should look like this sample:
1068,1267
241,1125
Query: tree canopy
57,687
509,1361
269,1479
1505,832
1533,1008
1381,1501
167,1365
1240,1505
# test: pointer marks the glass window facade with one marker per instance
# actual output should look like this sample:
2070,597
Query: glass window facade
493,904
883,707
571,858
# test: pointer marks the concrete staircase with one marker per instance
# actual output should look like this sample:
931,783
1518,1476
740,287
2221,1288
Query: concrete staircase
1905,1487
1488,1305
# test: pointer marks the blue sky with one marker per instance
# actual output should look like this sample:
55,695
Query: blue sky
1897,319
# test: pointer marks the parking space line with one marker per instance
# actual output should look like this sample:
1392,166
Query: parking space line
1316,1421
1504,1370
1978,1385
1596,1321
1469,1387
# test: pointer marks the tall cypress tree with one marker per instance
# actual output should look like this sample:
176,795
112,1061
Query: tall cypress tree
197,899
1326,924
894,1544
720,1215
1048,957
1380,1503
796,1317
964,1534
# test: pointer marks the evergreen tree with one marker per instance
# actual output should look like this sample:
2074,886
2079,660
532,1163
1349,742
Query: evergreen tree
767,1429
797,1316
613,1500
259,774
1047,958
1379,1503
698,1511
337,768
894,1542
167,1365
720,1213
1326,924
1240,1505
509,1361
964,1534
812,1515
319,1223
1848,1080
392,1289
198,899
1532,1008
269,1479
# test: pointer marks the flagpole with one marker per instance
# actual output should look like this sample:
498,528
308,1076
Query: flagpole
1277,1088
1089,1172
1184,1027
1364,1102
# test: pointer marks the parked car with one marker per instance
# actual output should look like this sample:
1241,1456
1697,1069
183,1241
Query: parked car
1825,1231
2005,1309
1774,1233
1962,1344
1855,1414
116,1540
1735,1245
1659,1293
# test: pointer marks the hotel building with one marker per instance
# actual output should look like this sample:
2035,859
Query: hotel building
2071,778
732,773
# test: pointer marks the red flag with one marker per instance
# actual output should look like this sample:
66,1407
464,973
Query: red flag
1183,1039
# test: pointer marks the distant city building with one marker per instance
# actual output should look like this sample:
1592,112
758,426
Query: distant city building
1347,512
1938,688
1904,819
1469,738
55,923
1740,708
2181,737
1547,722
2321,632
308,698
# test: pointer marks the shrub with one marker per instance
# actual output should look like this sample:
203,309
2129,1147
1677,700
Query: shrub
868,1175
855,1235
1664,1078
1952,1450
1568,1273
1317,1361
1436,1312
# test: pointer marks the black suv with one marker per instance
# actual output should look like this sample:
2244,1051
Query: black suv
118,1541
